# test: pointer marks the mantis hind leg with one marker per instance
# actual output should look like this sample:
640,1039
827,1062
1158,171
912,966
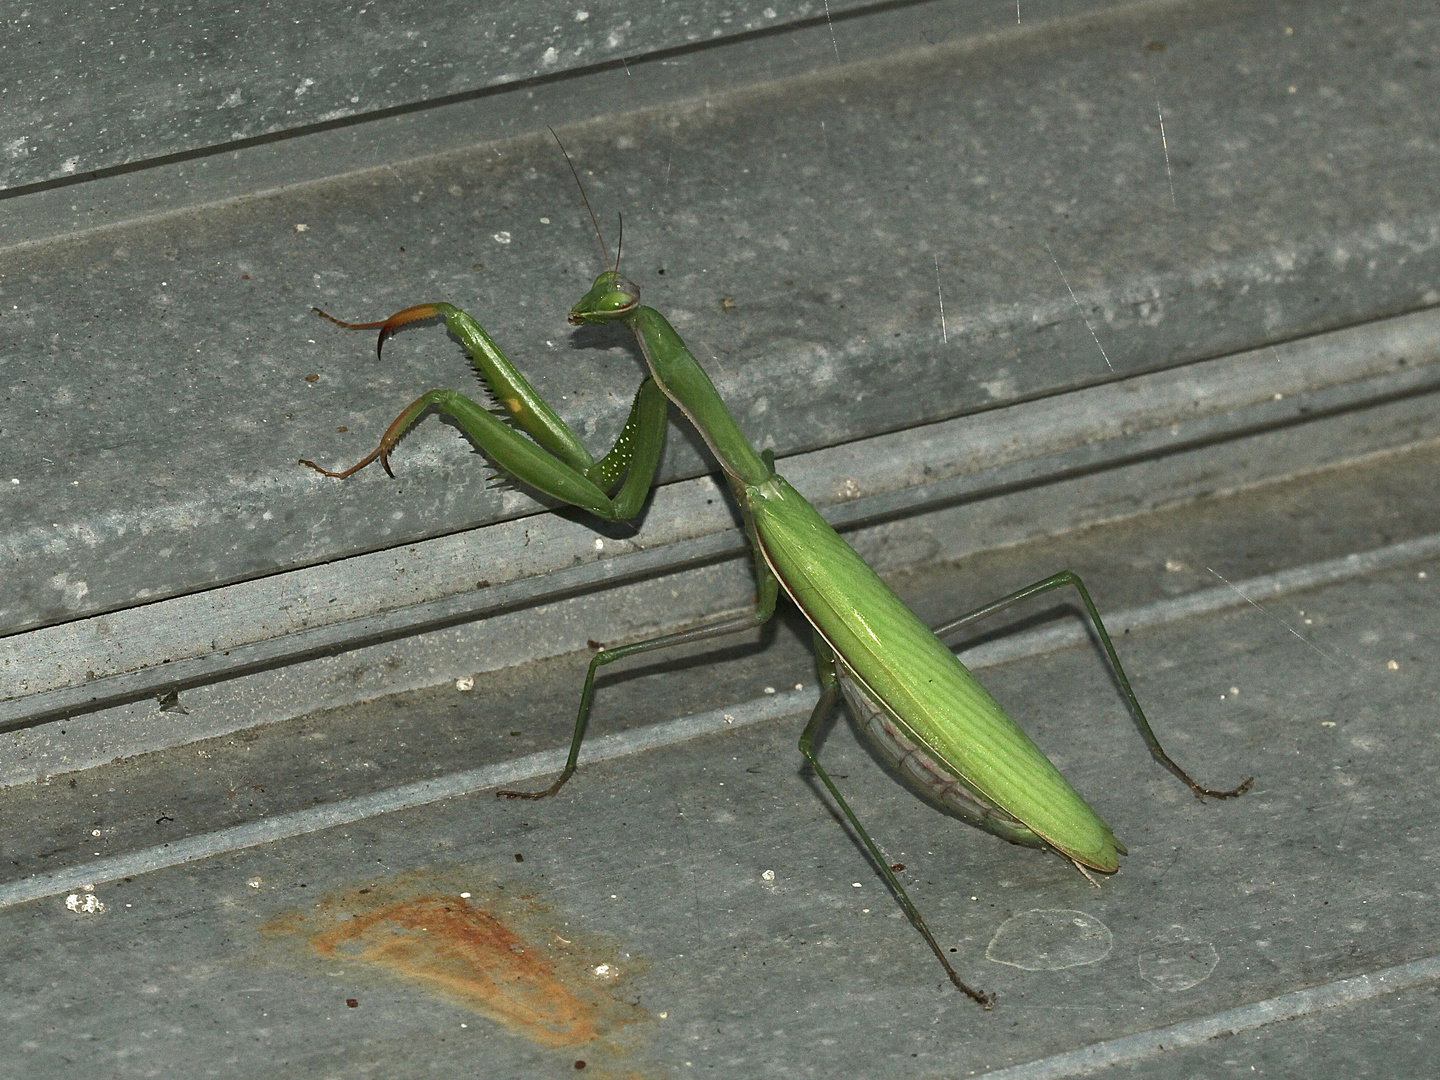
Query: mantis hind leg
808,739
1060,581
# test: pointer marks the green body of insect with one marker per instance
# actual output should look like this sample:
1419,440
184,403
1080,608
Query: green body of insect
945,735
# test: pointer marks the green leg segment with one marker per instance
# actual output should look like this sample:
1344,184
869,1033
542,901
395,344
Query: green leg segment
828,699
1059,581
769,590
551,460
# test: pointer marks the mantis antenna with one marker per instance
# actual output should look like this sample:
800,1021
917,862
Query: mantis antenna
584,198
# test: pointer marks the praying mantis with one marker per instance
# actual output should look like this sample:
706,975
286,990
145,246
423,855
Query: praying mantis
924,713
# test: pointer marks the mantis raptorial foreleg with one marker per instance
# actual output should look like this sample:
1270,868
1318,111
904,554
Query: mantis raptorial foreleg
555,462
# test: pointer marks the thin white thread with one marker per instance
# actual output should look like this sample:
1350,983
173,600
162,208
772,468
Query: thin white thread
1282,622
944,337
1080,309
1166,147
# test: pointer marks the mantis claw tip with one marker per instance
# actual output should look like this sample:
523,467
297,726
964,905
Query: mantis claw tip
984,1000
1234,793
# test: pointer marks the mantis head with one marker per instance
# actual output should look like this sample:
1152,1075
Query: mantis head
613,296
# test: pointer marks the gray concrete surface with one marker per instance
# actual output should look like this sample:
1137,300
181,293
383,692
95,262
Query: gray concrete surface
126,85
945,263
655,864
157,375
285,645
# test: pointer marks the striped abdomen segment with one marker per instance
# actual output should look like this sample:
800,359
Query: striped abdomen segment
924,775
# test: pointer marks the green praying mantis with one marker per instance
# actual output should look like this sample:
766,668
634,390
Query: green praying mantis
921,709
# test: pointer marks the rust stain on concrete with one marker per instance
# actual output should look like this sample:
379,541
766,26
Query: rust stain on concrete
495,954
465,954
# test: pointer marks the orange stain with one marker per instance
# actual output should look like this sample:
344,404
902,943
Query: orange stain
501,955
465,954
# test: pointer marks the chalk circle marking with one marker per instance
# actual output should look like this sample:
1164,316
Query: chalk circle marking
1176,961
1050,939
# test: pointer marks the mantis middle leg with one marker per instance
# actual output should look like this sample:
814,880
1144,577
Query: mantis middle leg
768,591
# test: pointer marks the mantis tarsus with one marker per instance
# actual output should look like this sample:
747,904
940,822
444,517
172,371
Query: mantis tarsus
918,705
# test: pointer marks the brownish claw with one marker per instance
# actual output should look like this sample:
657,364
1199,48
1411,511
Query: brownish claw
386,328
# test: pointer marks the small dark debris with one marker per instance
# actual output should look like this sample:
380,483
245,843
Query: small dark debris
341,429
1154,46
727,304
897,867
171,703
353,1003
519,857
482,584
312,378
594,644
163,818
579,1064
